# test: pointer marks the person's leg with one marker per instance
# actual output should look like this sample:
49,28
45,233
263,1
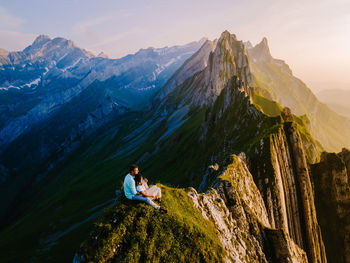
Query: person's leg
156,191
152,191
150,202
159,192
146,200
139,198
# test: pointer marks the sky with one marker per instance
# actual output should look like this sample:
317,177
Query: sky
311,36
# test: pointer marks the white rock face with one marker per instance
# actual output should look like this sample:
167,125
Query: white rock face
210,69
229,59
238,211
195,64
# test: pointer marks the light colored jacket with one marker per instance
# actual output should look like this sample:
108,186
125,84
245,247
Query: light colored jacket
129,186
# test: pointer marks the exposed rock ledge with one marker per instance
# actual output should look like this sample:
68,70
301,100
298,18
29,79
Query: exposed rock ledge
238,211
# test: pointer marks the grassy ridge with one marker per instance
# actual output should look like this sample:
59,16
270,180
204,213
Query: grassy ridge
139,233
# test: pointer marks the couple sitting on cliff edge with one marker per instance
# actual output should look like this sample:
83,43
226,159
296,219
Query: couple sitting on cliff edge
136,188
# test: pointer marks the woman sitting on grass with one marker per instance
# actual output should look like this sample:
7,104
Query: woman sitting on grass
141,186
131,193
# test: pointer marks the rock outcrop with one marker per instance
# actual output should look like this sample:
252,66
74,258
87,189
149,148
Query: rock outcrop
281,172
237,209
332,196
283,199
196,63
229,59
205,75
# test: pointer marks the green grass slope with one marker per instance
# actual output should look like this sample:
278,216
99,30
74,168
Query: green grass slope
139,233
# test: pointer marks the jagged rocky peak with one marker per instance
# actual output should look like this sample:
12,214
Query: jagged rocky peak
203,40
248,44
230,58
264,47
199,60
3,56
261,51
60,42
210,70
52,49
287,114
102,55
64,42
37,44
196,63
264,43
41,39
227,34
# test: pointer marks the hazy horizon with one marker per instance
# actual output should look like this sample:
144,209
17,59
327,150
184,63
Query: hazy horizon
310,37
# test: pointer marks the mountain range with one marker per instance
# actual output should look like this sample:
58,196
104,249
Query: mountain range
64,93
222,117
337,100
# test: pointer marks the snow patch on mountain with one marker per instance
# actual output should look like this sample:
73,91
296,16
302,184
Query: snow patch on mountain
29,85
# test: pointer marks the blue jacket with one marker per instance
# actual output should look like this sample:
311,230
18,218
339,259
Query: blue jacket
129,186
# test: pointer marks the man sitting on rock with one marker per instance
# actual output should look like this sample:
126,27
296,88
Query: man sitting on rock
130,189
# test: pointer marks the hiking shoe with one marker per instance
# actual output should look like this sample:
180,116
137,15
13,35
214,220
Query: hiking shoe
162,210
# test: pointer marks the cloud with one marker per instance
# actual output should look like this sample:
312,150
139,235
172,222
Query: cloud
13,40
97,34
10,36
85,26
115,38
8,21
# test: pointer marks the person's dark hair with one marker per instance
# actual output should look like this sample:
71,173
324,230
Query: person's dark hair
132,167
138,179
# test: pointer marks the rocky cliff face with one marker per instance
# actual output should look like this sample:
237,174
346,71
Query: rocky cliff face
238,211
283,195
280,204
196,63
281,172
332,196
229,59
208,71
